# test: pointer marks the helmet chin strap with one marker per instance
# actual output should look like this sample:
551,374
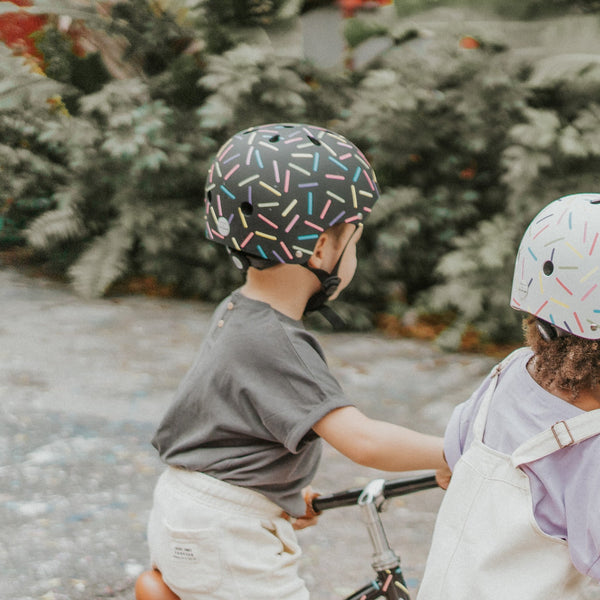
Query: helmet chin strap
329,282
329,285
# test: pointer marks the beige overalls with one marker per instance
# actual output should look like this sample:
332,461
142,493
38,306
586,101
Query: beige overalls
487,544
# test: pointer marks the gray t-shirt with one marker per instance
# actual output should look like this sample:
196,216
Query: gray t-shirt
245,410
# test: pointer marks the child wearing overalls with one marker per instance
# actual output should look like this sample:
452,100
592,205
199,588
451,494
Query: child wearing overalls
520,518
242,439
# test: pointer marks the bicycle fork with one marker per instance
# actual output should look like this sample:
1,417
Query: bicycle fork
390,583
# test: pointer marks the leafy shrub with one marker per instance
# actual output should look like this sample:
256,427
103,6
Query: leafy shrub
30,166
133,201
482,138
553,152
468,138
137,148
509,9
439,164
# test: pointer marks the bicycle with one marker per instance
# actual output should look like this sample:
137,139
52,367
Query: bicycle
389,582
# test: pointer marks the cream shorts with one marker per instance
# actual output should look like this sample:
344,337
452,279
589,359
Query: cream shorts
211,539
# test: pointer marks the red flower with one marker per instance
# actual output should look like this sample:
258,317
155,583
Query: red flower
349,7
16,29
19,2
468,173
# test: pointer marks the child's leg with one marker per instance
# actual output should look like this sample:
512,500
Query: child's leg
150,586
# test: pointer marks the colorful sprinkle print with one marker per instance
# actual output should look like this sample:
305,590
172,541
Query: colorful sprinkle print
557,272
272,190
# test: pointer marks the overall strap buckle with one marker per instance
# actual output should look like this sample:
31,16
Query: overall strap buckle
562,434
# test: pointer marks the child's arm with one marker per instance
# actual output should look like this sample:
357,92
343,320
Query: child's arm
379,444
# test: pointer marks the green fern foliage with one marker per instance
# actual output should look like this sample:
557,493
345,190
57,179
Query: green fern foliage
439,164
102,263
30,166
56,227
271,84
20,86
138,147
103,155
554,151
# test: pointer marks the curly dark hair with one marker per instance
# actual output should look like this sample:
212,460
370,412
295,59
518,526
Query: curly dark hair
570,363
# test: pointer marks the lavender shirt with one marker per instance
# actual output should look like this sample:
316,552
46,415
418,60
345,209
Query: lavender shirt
565,485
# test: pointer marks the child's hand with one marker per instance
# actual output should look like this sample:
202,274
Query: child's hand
310,517
443,476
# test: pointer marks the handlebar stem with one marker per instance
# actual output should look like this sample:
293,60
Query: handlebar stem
371,501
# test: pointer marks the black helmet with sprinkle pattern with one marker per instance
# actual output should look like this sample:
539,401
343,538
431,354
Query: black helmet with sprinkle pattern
273,189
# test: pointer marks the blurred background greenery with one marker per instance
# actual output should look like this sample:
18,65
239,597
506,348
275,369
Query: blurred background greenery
474,114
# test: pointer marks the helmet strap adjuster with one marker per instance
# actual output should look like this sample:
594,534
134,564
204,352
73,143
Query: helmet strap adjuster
550,332
243,261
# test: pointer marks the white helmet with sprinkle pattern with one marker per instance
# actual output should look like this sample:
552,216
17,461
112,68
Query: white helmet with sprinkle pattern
557,271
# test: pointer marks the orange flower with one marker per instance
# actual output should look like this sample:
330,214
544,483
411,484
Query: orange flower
469,43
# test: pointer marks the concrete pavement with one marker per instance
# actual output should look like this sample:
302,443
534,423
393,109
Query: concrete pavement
84,383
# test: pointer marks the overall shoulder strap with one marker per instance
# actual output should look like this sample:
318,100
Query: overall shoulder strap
561,435
481,418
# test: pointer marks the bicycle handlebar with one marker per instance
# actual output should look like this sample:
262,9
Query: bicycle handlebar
391,489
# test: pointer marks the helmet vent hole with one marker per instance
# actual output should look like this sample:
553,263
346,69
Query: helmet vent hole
274,139
597,201
314,140
247,208
548,267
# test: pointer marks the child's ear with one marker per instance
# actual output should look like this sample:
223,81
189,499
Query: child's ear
316,260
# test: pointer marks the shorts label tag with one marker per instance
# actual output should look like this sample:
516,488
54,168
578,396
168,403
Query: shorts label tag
184,552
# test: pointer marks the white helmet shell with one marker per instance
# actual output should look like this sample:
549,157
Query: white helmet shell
557,271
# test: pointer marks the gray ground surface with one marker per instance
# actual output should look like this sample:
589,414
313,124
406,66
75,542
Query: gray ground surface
82,386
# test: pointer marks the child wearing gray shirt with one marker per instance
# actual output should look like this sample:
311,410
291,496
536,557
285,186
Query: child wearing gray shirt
243,436
267,383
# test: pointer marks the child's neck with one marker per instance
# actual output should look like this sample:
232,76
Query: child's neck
586,400
286,288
